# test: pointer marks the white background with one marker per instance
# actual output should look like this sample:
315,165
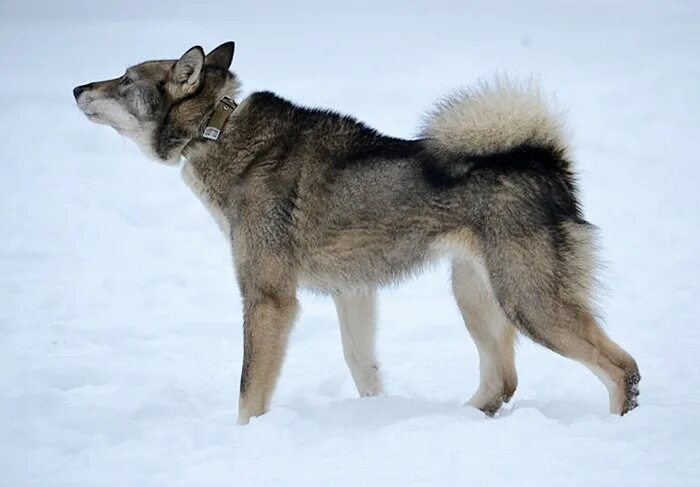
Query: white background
120,327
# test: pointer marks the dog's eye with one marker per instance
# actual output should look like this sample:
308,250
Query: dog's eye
125,81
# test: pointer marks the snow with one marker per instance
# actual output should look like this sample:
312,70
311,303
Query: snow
120,329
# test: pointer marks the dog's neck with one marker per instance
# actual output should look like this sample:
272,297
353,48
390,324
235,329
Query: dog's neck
184,120
196,173
211,126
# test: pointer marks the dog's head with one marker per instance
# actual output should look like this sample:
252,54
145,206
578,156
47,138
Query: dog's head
160,104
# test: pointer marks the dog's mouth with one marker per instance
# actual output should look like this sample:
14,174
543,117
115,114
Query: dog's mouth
95,117
89,105
87,110
107,112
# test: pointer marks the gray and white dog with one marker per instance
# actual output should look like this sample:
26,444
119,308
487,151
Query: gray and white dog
310,198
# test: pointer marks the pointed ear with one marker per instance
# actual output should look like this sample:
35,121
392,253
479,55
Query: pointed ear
221,56
188,68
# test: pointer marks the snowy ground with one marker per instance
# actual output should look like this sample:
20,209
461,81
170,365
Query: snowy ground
120,329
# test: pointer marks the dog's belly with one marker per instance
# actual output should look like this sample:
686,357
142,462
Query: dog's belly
360,261
369,262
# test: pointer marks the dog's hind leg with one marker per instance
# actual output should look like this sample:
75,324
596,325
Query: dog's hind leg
493,334
357,317
544,286
574,333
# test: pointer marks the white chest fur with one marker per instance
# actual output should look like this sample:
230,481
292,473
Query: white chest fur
198,188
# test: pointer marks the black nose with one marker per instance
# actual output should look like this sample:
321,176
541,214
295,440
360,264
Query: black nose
79,89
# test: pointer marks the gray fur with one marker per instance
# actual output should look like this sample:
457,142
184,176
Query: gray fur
310,198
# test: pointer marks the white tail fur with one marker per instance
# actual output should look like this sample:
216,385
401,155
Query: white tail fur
494,117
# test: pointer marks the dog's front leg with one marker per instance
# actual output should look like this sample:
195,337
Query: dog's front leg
269,312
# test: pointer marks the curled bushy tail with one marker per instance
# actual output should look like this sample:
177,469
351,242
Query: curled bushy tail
492,118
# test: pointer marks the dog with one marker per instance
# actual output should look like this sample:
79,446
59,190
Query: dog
309,198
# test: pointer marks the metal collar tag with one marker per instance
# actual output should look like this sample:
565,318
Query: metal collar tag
223,110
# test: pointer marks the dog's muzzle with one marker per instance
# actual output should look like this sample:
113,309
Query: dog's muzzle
80,89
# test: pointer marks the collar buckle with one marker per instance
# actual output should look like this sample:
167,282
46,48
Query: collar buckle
223,110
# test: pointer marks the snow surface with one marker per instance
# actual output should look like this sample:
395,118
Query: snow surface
120,327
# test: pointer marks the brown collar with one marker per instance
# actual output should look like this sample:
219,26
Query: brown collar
211,129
